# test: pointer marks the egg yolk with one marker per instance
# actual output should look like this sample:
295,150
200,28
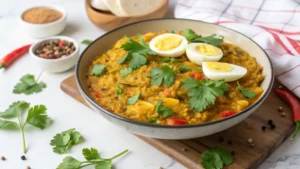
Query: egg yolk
207,50
168,43
218,67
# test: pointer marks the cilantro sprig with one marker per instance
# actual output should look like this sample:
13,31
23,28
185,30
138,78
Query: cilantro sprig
64,141
98,69
125,72
215,158
28,85
134,99
136,52
86,41
245,91
193,37
92,157
36,117
203,93
162,75
163,110
183,69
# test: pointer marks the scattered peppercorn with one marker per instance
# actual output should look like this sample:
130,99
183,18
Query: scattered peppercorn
252,145
250,140
28,167
183,149
232,153
263,128
283,114
270,122
221,139
23,157
280,108
273,126
3,158
229,142
55,49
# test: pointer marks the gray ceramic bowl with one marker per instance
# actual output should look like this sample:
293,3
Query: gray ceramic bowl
103,43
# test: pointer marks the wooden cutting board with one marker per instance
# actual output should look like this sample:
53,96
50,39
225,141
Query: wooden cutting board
188,152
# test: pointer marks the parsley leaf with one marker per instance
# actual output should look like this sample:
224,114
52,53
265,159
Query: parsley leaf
215,158
86,42
246,92
211,39
170,60
93,158
28,85
203,93
163,110
98,69
119,90
62,142
14,109
183,69
136,52
36,116
164,74
125,72
134,99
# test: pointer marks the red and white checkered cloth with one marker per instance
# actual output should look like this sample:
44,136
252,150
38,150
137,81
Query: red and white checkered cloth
273,24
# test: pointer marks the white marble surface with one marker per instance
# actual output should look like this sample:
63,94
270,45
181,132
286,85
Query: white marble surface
68,113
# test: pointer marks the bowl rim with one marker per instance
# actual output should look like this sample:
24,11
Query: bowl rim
91,101
55,7
34,45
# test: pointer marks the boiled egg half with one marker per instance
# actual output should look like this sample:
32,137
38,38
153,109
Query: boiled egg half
202,52
168,45
220,70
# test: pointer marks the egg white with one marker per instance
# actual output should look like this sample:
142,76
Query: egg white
176,52
236,73
198,58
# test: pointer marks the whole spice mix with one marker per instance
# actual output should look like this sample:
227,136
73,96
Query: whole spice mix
41,15
55,49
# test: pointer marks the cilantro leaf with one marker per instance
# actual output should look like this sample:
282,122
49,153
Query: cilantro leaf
183,68
154,120
104,165
142,41
14,109
203,93
63,142
124,58
28,85
163,110
211,39
98,69
246,92
69,163
134,99
5,124
86,42
137,60
215,158
164,74
90,154
170,60
119,90
37,117
125,72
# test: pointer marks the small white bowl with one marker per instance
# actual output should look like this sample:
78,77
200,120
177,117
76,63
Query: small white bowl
56,65
44,30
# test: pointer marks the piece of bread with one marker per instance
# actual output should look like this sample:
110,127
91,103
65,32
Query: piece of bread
136,7
99,4
113,7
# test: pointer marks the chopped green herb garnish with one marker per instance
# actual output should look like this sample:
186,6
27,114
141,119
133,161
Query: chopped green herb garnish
119,90
98,69
134,99
125,72
172,31
154,121
64,141
86,42
203,93
162,75
92,158
200,70
193,37
163,110
216,158
28,85
170,60
183,69
246,92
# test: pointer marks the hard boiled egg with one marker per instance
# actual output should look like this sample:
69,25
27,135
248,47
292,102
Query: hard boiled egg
220,70
202,52
169,45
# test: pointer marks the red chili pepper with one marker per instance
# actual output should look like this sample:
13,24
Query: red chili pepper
167,92
227,113
294,104
175,121
97,95
61,43
14,55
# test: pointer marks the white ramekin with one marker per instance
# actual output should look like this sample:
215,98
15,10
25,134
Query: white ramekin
44,30
56,65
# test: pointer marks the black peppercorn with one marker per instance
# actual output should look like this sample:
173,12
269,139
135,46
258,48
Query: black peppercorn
229,142
23,157
221,139
270,122
273,126
232,152
263,128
